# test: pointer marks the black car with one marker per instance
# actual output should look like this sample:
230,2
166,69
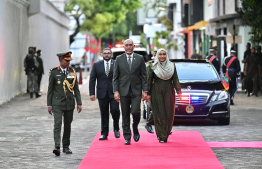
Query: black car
203,95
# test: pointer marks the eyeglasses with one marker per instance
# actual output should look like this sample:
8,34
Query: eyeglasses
106,53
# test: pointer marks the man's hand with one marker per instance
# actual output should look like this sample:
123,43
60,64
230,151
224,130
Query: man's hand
144,96
50,110
117,96
148,98
79,108
245,73
92,97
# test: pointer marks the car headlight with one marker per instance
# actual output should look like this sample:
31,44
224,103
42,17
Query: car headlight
222,96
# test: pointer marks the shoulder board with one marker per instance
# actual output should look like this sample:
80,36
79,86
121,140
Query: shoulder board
71,68
53,68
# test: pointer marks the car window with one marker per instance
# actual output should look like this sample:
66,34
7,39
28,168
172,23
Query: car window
196,71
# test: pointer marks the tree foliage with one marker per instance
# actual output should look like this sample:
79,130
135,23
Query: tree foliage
99,15
251,13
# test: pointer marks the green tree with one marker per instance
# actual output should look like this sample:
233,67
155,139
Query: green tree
99,15
251,13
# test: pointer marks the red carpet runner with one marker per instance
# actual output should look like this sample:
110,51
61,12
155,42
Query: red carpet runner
184,150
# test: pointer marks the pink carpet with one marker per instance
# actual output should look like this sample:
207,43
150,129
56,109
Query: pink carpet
235,144
184,150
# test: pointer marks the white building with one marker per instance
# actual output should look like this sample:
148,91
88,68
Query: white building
27,23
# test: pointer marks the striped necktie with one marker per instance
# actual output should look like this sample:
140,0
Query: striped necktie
107,69
129,62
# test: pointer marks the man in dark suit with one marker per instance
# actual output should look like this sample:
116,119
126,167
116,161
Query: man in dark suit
102,72
62,92
128,82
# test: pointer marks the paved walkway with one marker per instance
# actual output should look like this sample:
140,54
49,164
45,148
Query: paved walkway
26,136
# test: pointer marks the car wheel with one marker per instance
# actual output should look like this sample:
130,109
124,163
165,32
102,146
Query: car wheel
224,121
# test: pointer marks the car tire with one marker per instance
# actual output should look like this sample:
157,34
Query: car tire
224,121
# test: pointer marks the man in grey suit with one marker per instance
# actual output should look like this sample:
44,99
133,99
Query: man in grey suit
129,80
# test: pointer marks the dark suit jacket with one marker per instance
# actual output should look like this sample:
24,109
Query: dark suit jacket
104,83
123,78
56,95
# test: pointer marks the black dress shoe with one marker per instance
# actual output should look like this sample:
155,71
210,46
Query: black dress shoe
103,137
231,102
67,150
149,128
117,134
136,137
56,151
37,95
127,142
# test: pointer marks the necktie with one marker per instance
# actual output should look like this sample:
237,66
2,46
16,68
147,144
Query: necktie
129,62
64,71
107,69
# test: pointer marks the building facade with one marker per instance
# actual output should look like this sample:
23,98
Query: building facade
27,23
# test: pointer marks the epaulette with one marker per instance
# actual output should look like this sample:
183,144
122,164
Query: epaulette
54,68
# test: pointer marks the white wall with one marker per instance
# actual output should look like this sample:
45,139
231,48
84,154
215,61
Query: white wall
209,10
230,7
46,30
243,31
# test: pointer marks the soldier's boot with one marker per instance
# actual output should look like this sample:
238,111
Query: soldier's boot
31,95
37,94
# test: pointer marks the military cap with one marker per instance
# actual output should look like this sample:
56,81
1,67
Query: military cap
31,49
232,50
213,48
38,51
65,55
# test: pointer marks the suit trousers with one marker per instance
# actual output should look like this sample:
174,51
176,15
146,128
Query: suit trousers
68,118
104,112
130,104
253,82
233,85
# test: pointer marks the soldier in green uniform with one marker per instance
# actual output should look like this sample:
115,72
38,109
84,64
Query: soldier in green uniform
31,66
63,90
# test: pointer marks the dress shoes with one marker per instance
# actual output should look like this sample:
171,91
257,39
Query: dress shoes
103,137
149,128
231,102
136,137
37,95
67,150
56,151
117,134
127,142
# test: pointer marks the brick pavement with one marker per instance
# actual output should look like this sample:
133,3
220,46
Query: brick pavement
26,139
